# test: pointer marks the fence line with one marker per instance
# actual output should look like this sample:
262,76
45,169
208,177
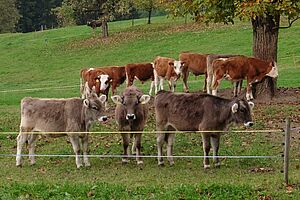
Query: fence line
134,156
146,132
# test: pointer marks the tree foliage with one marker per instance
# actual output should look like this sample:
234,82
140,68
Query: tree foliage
9,16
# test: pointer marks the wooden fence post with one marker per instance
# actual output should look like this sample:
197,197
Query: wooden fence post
287,138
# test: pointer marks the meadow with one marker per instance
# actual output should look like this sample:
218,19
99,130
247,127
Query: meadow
47,64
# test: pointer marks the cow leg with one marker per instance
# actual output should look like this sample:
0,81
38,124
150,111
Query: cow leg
151,87
240,84
31,147
185,76
76,148
215,141
208,84
21,139
137,142
170,140
156,79
206,149
161,83
85,150
249,95
205,83
126,139
160,142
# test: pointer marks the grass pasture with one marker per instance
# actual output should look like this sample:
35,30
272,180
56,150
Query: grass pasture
50,62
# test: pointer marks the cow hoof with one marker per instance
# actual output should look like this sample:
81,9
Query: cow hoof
125,161
218,165
19,165
87,164
140,162
79,166
161,164
172,163
206,166
32,163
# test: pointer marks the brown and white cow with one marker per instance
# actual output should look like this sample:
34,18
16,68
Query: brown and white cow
197,112
102,78
210,59
194,63
59,115
169,69
140,71
242,67
131,115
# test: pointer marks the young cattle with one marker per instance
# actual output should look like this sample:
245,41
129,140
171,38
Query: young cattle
242,67
131,115
221,57
59,115
195,63
102,78
94,24
197,112
169,69
141,72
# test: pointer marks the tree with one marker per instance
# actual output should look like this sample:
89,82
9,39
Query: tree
147,5
36,14
9,16
265,19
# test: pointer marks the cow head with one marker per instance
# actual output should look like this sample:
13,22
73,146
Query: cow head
274,70
241,112
131,101
104,81
177,65
94,107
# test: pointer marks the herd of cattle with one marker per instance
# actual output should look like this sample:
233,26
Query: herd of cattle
174,111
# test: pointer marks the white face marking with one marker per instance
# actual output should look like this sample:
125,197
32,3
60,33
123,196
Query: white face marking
90,69
178,67
274,72
103,81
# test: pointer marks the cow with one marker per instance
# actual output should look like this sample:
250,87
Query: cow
141,72
197,112
220,57
194,63
242,67
169,69
94,24
102,78
68,116
131,115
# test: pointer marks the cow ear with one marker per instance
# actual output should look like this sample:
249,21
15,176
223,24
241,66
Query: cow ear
102,98
144,99
251,104
116,99
86,103
234,108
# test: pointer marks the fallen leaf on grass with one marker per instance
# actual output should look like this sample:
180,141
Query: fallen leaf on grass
290,188
261,170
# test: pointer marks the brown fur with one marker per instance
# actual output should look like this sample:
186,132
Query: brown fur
165,68
143,71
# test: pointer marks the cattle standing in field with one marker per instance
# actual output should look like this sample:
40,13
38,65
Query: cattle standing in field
169,69
197,112
242,67
59,115
141,72
102,78
194,63
94,24
131,115
221,57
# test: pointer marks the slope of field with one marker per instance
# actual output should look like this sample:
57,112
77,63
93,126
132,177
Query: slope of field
47,64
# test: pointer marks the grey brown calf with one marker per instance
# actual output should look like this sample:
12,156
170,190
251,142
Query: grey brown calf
193,112
59,115
131,115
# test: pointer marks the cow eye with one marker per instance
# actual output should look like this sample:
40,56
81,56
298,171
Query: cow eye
95,108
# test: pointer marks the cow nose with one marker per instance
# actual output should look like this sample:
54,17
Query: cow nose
248,124
103,118
130,116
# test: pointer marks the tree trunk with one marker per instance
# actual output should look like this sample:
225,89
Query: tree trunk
104,29
149,16
265,39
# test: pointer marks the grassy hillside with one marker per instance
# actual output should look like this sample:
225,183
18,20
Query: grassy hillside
47,64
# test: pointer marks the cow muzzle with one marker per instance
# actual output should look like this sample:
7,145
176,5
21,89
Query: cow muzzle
130,117
248,124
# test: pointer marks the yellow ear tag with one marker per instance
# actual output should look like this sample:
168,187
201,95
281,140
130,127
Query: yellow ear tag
97,80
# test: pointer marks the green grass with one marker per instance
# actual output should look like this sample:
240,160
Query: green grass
54,58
